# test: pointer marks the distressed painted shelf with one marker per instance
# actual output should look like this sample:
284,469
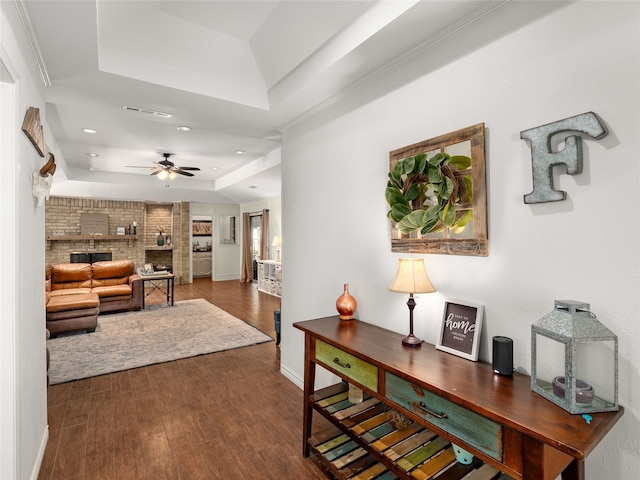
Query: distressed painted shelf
364,444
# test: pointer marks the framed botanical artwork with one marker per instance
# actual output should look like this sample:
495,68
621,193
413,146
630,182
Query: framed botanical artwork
461,329
201,228
436,193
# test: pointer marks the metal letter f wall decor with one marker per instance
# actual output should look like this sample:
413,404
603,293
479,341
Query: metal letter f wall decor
543,159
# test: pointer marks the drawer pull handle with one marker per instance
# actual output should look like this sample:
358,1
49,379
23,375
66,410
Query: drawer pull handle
343,365
423,407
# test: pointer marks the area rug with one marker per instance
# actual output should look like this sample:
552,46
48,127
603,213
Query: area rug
159,333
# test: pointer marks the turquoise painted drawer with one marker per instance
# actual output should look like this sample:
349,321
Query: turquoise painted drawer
348,365
474,429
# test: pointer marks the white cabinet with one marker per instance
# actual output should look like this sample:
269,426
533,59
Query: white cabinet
201,264
270,277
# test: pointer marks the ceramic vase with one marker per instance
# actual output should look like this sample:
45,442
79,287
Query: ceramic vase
346,304
160,240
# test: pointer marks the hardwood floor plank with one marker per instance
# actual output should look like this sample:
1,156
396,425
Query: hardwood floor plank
72,450
188,459
77,410
100,456
100,410
101,383
128,458
148,418
157,456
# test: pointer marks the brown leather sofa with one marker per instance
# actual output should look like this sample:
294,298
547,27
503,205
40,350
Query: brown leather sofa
78,292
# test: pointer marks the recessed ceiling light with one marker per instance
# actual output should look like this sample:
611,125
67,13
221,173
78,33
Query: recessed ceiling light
240,152
184,128
88,130
92,154
93,169
215,168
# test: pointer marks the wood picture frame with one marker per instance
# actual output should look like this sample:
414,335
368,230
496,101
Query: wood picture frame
201,228
32,127
461,329
471,240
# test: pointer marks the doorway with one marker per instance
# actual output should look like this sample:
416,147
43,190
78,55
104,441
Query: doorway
255,229
202,236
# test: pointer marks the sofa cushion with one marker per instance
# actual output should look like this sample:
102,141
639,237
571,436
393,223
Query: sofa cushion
112,290
72,302
113,269
63,315
71,275
63,292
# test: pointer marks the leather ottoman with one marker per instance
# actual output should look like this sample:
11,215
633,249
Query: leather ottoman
72,312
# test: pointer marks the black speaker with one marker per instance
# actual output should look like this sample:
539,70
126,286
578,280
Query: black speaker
502,356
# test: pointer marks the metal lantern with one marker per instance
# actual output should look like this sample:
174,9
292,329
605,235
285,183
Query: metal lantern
574,359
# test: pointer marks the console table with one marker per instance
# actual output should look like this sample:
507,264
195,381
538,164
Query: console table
510,430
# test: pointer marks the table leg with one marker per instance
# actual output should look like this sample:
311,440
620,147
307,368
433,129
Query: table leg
575,470
309,386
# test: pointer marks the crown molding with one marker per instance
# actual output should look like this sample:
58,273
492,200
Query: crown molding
33,43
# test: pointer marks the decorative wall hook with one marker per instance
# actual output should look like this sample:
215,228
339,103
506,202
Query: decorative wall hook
543,159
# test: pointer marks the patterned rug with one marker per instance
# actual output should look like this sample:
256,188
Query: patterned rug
159,333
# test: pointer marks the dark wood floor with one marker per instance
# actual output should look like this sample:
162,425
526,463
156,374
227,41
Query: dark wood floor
227,415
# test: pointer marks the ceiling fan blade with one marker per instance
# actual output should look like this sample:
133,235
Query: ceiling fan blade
193,169
156,171
181,172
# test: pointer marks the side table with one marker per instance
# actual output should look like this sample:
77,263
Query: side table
162,283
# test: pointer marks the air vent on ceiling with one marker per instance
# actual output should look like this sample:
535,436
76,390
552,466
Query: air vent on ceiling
148,112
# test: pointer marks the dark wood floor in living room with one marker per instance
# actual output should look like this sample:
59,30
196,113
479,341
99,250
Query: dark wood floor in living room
227,415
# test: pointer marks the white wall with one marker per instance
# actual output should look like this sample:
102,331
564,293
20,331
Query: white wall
583,57
23,407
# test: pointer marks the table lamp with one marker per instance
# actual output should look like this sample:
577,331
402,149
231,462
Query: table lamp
277,243
411,278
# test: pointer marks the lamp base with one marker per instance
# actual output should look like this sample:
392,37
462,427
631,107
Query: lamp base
411,341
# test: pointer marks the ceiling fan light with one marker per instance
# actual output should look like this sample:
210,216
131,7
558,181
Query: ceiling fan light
163,175
172,175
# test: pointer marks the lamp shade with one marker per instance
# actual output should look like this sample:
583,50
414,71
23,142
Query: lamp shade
411,277
277,242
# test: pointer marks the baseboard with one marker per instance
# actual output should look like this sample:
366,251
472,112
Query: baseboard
292,377
38,463
230,276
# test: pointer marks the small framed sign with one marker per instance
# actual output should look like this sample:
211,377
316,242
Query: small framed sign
461,329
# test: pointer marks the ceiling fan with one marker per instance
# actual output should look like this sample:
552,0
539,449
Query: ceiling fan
167,169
